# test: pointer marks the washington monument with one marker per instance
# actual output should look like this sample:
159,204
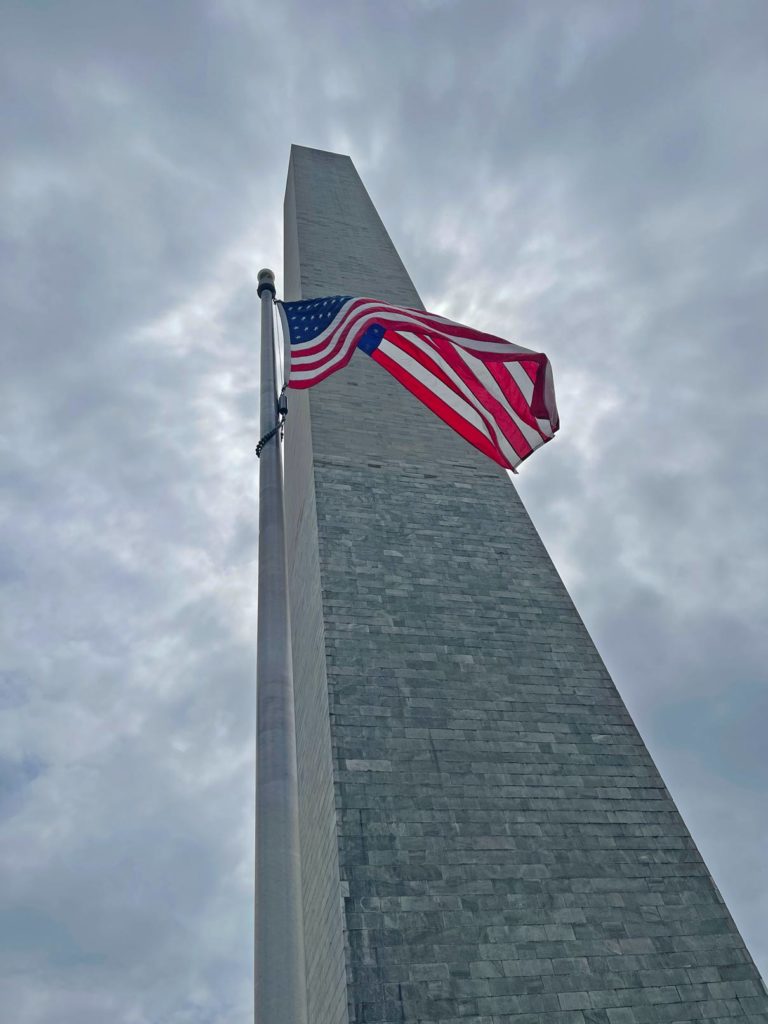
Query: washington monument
482,836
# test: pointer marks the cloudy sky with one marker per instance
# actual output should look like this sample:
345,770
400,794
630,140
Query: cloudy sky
585,178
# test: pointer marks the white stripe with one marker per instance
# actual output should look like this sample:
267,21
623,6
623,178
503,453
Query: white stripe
349,322
352,325
522,381
287,358
348,325
336,326
440,324
502,441
521,378
436,386
489,343
484,375
476,345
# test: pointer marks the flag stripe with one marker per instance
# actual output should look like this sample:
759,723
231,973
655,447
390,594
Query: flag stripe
432,362
446,394
506,382
498,396
323,342
510,439
508,396
510,403
334,343
445,410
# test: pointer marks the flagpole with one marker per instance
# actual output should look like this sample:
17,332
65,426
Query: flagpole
280,984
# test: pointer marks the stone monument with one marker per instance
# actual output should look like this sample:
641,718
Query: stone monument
484,836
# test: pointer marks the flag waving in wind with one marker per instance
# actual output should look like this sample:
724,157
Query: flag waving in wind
498,396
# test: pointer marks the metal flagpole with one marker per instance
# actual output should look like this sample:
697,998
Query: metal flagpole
279,969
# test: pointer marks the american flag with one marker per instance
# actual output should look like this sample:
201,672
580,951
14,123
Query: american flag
498,396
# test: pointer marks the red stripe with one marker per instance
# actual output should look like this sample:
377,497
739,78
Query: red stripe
444,337
348,334
309,382
440,408
413,319
303,349
425,360
496,412
298,385
450,329
511,391
422,357
527,411
531,368
339,333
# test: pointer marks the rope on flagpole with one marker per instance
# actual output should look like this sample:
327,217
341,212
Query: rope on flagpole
282,412
277,329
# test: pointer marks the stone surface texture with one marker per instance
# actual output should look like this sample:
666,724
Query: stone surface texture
485,838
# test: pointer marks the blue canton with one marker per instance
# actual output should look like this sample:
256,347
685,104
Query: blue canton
371,340
309,318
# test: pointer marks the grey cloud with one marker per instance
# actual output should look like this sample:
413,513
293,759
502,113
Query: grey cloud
588,183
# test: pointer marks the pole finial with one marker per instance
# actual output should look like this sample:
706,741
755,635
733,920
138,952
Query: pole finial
266,282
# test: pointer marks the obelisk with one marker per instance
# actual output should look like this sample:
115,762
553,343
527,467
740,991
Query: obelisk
484,836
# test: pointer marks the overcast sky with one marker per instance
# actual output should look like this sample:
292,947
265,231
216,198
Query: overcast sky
587,179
